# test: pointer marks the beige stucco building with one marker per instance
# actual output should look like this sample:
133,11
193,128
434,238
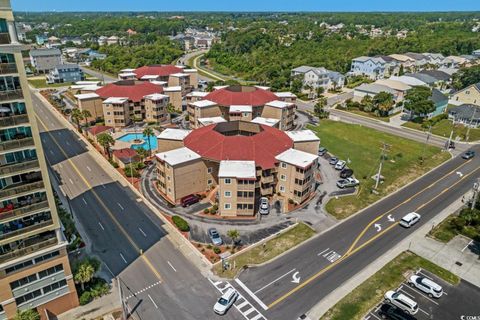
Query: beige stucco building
469,95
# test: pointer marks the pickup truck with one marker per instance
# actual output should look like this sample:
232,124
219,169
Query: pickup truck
347,183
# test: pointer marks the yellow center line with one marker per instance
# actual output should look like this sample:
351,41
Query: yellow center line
353,250
102,203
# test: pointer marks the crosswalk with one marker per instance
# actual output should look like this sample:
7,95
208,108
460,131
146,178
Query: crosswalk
242,305
330,255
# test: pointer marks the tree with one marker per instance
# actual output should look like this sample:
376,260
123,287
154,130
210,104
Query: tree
296,85
148,132
77,115
418,102
383,101
143,153
466,77
29,314
320,91
319,108
86,114
171,108
233,234
84,274
367,103
401,72
106,141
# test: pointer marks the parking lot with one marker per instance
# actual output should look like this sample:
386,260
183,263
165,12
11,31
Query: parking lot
456,301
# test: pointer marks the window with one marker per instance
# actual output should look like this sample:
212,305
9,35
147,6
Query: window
29,296
227,206
50,271
47,256
168,178
23,281
282,189
227,180
209,181
228,194
283,177
283,165
209,169
18,266
54,286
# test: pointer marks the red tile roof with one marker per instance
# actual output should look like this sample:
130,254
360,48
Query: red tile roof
125,154
241,95
98,129
129,89
159,70
261,147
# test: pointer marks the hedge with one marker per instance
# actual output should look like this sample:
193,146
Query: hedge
181,224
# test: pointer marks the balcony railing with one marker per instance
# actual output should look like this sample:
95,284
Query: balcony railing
267,179
32,227
6,68
13,120
266,191
11,95
17,143
4,38
42,243
21,188
18,212
16,167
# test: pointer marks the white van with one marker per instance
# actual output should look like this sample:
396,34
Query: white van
410,219
426,285
401,301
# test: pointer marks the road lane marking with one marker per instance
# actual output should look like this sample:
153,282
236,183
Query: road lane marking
247,290
84,201
51,152
471,241
279,278
144,234
120,206
322,251
123,258
70,180
88,168
104,230
100,201
68,143
171,266
134,294
150,297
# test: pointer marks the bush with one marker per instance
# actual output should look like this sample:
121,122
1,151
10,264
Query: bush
181,224
216,250
101,288
131,172
139,165
113,163
206,211
85,298
290,201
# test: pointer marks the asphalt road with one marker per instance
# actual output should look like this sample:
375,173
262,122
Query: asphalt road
98,75
291,285
159,284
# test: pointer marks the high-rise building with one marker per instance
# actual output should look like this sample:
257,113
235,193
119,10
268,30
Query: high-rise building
34,267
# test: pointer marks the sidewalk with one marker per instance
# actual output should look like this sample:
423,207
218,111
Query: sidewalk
416,242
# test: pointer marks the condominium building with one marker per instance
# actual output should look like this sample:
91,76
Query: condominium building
34,267
241,161
245,103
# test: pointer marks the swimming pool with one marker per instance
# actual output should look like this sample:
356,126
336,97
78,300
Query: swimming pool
129,137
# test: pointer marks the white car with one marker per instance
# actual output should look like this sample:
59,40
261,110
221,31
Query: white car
401,301
225,301
426,285
340,165
347,183
410,219
264,206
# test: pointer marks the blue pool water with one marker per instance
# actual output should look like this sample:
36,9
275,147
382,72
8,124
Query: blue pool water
129,137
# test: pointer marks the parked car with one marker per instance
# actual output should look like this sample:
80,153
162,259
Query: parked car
410,219
401,301
215,237
387,311
264,207
347,183
322,151
346,173
450,145
225,301
426,285
189,200
468,155
148,162
333,160
340,165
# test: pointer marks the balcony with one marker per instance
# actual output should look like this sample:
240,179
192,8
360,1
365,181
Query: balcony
22,210
37,245
17,167
266,191
267,179
26,229
13,120
20,188
16,144
11,95
6,68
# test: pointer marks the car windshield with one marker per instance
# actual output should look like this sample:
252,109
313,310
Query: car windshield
438,290
223,301
395,295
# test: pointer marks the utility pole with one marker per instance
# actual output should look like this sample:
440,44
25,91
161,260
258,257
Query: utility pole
122,304
451,135
467,135
425,146
385,148
476,191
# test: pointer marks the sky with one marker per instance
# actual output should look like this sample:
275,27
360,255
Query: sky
245,5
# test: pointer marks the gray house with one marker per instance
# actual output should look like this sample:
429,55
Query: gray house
45,60
319,77
468,114
65,73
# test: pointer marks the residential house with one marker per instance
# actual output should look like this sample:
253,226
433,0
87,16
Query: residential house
455,62
64,73
440,102
112,40
374,67
436,59
315,78
468,95
125,157
467,114
476,53
45,60
372,89
94,131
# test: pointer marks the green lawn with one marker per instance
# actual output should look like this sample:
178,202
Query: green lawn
466,223
367,114
444,127
42,83
363,298
272,248
362,146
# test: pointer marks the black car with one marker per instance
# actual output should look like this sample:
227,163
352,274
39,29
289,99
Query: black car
388,311
468,155
346,173
322,151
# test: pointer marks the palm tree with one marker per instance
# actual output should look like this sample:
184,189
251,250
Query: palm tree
233,234
148,132
106,141
77,115
84,274
86,114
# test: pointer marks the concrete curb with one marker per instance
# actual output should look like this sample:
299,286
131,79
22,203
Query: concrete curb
199,260
335,296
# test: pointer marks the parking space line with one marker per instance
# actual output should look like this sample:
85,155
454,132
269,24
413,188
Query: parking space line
424,295
426,276
247,290
265,286
428,314
467,245
373,314
408,294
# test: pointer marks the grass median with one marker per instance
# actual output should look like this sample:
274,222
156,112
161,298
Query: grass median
263,253
363,298
444,127
362,146
42,83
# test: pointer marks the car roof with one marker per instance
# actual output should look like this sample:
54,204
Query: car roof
212,230
406,299
410,216
432,284
227,294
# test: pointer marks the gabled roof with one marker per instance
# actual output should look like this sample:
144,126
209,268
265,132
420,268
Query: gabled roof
98,129
394,84
374,88
125,155
302,69
422,77
466,111
241,95
158,70
130,89
439,75
438,97
416,56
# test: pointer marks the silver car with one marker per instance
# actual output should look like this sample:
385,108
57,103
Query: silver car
264,206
